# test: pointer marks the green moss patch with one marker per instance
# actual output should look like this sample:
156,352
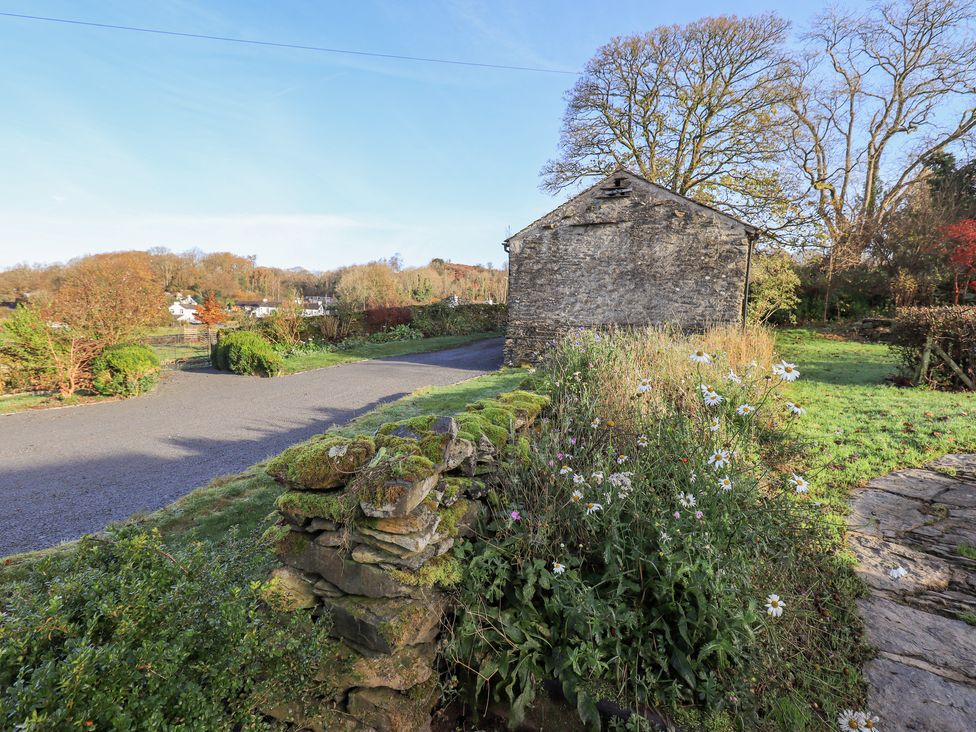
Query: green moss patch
324,463
336,506
443,571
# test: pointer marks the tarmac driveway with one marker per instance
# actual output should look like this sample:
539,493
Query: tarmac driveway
69,472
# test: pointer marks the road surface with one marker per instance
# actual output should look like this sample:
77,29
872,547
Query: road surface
69,472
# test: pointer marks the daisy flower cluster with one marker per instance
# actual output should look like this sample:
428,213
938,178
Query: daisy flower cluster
851,721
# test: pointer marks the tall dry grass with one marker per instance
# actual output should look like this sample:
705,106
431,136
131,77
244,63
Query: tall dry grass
661,354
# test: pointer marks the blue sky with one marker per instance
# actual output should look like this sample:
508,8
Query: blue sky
115,140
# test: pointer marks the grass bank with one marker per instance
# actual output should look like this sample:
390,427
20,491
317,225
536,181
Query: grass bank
861,426
324,359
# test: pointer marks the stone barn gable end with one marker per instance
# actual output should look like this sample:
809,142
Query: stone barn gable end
624,252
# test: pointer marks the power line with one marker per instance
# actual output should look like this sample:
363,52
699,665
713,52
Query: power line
300,47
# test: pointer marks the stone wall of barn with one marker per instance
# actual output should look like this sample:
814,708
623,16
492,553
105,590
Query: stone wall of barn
643,258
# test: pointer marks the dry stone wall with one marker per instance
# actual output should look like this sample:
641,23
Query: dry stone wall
364,536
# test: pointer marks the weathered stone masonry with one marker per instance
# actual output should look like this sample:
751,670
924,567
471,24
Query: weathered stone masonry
625,252
364,535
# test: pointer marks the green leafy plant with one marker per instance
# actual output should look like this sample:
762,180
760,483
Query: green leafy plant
246,352
127,633
125,370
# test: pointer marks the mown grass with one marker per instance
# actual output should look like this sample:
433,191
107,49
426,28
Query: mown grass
860,425
13,403
324,359
182,352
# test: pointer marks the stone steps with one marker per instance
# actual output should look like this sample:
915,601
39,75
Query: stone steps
924,676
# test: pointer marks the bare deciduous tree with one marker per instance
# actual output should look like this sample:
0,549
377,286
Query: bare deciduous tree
877,96
699,109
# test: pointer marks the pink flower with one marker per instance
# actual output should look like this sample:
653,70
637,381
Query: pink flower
560,456
677,514
572,440
516,516
698,515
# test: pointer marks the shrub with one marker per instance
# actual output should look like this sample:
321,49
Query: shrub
442,319
245,352
384,318
613,560
127,633
126,370
951,328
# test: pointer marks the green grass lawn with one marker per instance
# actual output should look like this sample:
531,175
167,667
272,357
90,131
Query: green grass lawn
183,352
859,425
324,359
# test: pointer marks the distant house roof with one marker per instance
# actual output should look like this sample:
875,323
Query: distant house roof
257,303
750,229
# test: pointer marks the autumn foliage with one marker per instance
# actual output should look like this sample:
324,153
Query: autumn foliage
962,255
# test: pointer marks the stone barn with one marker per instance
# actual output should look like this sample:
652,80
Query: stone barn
624,252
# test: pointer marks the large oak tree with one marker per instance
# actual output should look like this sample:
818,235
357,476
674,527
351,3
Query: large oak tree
700,109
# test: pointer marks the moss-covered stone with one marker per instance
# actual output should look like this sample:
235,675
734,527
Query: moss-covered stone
344,668
288,590
451,517
395,485
385,625
473,425
386,710
336,506
443,571
321,464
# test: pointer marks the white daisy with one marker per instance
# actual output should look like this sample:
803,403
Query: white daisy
565,470
712,399
642,441
734,377
744,410
774,606
799,484
700,356
719,459
592,508
576,496
620,480
665,537
595,423
621,459
868,722
897,573
705,388
644,386
687,499
558,568
725,483
578,479
850,721
786,371
715,424
597,477
795,408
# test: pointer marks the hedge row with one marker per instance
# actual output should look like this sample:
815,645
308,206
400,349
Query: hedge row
930,341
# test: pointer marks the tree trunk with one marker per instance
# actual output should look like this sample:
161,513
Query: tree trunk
830,280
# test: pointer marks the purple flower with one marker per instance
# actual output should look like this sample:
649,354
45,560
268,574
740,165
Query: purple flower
572,440
551,463
560,456
516,516
677,514
698,514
